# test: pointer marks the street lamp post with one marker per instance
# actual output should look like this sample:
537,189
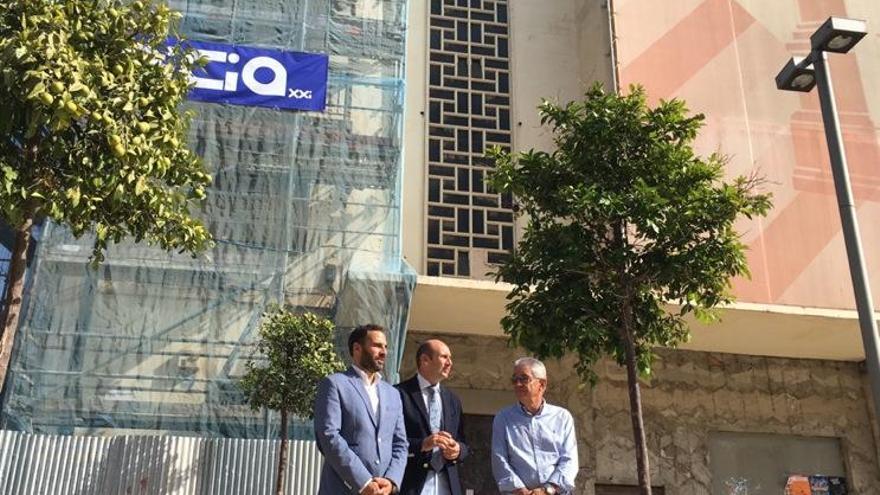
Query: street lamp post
839,35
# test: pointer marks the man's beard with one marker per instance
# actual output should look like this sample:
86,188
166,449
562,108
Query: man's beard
368,363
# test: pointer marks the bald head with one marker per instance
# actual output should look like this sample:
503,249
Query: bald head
434,360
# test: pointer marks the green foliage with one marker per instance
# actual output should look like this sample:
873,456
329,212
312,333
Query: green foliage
296,352
91,134
622,214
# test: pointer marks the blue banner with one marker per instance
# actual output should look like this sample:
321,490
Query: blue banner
260,77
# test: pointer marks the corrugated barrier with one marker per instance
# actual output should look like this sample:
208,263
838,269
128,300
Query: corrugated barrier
147,465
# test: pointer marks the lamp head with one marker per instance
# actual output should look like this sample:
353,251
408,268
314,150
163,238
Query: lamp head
838,34
797,75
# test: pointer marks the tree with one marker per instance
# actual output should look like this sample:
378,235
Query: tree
91,135
623,220
297,352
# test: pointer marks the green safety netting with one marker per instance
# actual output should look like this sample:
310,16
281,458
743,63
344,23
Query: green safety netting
305,210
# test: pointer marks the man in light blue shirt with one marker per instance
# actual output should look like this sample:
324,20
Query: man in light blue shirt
534,446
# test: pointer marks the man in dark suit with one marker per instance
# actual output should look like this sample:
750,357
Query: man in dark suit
359,423
432,415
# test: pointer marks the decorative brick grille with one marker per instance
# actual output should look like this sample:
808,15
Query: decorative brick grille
469,227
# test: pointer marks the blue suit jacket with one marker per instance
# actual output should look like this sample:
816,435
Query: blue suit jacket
357,445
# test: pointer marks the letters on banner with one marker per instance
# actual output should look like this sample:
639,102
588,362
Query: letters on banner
240,75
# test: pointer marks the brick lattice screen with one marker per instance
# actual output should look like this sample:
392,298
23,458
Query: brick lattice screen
469,227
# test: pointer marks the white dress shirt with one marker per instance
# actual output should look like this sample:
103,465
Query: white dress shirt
371,387
373,393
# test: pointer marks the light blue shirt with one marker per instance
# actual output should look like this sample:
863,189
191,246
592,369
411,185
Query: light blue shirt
529,451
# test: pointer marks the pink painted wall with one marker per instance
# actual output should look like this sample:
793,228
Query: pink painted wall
721,56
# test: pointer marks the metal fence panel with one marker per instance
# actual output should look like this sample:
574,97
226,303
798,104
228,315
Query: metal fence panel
151,465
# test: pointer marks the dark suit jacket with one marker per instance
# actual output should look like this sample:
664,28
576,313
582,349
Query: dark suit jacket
418,427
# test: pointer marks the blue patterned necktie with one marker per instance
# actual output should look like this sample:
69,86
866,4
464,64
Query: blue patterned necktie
437,461
434,408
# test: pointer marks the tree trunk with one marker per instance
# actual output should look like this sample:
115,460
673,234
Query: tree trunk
14,289
282,455
635,398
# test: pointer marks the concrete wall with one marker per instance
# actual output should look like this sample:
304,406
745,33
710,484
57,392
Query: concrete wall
690,395
556,53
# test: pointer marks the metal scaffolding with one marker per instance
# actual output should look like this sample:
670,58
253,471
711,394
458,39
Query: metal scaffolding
305,210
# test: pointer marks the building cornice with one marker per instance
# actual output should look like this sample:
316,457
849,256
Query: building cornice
475,307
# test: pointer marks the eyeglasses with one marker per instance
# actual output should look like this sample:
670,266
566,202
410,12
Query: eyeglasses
521,379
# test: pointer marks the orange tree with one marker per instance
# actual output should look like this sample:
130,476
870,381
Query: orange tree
91,135
623,218
295,351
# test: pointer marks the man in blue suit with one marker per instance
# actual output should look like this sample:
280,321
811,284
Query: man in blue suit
359,422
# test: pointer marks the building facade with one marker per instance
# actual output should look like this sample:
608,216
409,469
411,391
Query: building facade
377,209
776,388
